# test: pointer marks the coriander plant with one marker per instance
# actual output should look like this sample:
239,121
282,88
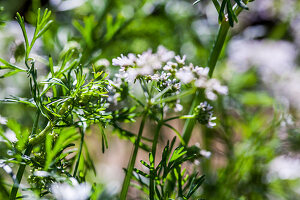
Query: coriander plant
86,87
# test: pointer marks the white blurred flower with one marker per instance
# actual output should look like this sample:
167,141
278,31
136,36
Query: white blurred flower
180,60
64,191
275,57
214,84
11,136
149,60
41,173
178,107
275,62
3,120
284,167
205,153
295,27
200,71
287,120
185,75
102,62
210,95
164,54
64,5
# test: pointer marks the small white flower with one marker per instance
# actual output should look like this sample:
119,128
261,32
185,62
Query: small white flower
155,77
184,75
180,60
164,76
210,123
177,86
178,107
146,70
148,60
170,66
200,71
216,85
124,60
167,67
200,83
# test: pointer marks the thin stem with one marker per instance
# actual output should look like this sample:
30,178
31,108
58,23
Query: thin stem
41,136
154,146
79,152
172,118
136,99
176,132
22,167
130,167
178,169
161,93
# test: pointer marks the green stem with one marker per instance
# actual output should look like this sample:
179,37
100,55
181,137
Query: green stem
218,46
130,167
190,123
212,61
22,167
154,146
214,55
178,169
79,152
41,136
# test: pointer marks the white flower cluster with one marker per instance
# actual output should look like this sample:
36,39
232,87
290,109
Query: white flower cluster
64,191
199,76
143,64
167,70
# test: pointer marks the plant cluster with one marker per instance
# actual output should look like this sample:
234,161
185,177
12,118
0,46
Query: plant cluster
81,90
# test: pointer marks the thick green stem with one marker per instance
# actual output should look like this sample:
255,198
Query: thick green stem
154,146
214,55
22,167
212,61
130,167
218,46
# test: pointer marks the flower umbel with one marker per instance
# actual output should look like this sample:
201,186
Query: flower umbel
167,71
204,114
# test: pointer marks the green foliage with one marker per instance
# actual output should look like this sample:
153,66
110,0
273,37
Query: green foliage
226,8
168,167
